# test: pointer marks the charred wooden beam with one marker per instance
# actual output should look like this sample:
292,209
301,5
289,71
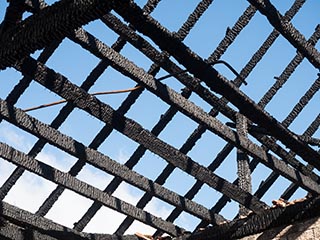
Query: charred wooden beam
232,33
51,24
192,83
20,224
101,50
133,130
144,23
86,190
286,73
286,28
193,18
99,160
244,173
258,55
255,223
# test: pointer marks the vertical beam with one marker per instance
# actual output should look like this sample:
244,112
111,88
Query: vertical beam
244,173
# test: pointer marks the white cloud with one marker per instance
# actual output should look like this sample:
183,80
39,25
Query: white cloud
122,156
29,192
10,135
6,169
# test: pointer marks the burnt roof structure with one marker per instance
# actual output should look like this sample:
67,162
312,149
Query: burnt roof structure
242,124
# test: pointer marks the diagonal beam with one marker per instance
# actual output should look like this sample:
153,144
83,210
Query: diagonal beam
244,173
97,159
60,85
99,49
219,104
128,127
233,33
156,130
165,40
65,179
259,54
20,224
50,24
287,72
287,29
255,223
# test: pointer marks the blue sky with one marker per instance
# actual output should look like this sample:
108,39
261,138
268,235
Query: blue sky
75,63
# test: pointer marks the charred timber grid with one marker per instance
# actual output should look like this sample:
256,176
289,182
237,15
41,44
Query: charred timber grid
33,32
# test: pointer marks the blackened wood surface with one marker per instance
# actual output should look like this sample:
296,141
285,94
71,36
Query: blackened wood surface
50,24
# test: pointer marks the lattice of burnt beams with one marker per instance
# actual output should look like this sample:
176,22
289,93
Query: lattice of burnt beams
157,119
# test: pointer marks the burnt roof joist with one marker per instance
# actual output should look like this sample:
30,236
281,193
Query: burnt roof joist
65,179
105,113
237,28
43,76
148,26
287,30
52,23
194,85
127,68
289,174
146,81
20,224
100,161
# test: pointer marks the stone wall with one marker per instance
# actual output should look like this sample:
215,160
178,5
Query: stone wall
306,230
